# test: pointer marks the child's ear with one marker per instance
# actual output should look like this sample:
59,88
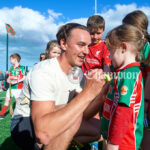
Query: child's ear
124,47
63,44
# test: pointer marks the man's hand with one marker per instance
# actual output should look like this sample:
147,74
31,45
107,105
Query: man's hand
95,80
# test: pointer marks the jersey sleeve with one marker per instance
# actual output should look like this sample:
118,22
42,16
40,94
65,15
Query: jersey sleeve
42,86
146,50
119,124
106,57
22,68
10,71
125,89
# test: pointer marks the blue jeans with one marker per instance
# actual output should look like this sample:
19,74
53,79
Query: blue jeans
22,133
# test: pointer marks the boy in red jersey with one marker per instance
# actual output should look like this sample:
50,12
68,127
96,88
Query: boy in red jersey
98,56
16,77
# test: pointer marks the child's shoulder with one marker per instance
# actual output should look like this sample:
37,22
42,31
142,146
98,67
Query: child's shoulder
101,44
22,67
131,70
130,74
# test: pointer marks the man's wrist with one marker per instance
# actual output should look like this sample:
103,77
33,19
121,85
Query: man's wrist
87,95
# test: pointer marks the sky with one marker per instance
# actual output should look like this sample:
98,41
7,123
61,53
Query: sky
37,21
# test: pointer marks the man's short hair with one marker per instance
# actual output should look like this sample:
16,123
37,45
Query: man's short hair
65,30
17,56
96,22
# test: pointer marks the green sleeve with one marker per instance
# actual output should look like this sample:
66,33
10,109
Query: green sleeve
22,68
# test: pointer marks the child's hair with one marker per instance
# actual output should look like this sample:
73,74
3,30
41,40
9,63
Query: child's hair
139,19
65,30
17,56
125,33
50,45
96,22
41,57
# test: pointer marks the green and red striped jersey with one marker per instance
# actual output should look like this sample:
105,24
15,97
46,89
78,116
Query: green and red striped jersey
16,74
126,88
144,55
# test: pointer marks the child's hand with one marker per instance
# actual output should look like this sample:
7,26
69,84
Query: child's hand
13,82
8,80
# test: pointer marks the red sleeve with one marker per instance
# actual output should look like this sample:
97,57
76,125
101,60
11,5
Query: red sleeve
119,124
106,57
147,69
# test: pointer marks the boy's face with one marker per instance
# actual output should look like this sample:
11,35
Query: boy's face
96,35
13,60
54,52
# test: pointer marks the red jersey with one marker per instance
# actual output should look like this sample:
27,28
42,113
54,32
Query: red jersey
98,57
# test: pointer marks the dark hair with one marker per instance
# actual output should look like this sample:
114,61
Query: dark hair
65,30
41,55
139,19
17,56
95,22
125,33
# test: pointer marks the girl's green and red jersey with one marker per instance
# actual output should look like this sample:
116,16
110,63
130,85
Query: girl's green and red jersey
144,54
15,74
126,88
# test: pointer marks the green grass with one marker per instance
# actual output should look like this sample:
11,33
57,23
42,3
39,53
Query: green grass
6,142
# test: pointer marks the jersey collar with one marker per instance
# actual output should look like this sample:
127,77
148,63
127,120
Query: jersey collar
128,65
16,67
97,44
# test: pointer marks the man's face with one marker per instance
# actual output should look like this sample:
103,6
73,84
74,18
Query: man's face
76,46
96,35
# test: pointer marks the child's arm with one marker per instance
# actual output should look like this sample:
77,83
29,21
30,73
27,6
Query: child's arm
22,79
112,147
119,124
8,80
96,104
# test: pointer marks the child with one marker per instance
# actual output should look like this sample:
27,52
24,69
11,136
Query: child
16,78
53,49
140,20
123,112
98,56
42,56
